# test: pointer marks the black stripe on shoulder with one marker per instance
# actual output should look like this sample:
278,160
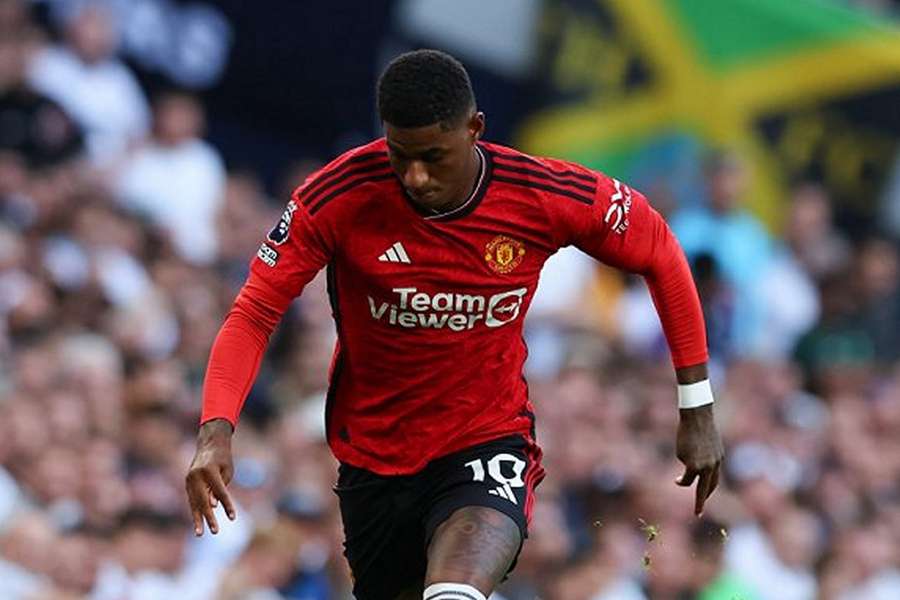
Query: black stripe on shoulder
338,173
348,186
589,200
308,198
522,158
546,175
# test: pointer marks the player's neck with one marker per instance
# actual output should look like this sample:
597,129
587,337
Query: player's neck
472,179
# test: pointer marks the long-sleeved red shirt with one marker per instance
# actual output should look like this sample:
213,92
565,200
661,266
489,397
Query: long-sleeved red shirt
429,309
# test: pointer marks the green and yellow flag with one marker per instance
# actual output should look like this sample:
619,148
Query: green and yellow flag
802,88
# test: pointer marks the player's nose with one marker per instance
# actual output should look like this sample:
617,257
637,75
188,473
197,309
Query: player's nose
416,176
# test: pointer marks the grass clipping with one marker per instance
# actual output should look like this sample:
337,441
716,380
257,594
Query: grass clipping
651,532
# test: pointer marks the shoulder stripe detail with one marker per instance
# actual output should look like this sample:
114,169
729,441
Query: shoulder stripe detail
328,177
546,175
546,187
309,195
349,185
527,159
355,160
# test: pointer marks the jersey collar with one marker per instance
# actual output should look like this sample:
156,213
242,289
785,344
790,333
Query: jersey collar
484,176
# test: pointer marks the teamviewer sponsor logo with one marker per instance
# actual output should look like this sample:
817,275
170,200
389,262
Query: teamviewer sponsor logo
411,308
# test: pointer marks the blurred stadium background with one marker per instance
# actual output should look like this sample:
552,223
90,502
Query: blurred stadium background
147,145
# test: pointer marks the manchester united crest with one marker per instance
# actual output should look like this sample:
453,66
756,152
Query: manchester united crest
503,254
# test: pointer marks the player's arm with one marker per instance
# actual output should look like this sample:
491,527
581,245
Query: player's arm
290,257
623,230
698,444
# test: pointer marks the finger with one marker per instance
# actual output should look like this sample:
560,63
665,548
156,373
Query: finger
200,493
688,478
702,491
210,516
198,521
197,498
715,481
219,491
212,499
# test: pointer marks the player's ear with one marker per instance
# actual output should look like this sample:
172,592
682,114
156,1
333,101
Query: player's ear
476,125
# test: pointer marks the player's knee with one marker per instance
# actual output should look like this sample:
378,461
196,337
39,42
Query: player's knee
465,572
474,547
456,582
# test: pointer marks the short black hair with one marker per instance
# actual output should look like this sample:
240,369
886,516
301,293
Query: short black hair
424,87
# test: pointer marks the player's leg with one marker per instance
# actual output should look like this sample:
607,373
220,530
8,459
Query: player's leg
475,546
383,535
477,517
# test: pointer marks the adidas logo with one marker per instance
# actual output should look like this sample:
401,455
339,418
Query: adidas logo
395,254
504,491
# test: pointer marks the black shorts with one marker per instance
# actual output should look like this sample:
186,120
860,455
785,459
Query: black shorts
389,521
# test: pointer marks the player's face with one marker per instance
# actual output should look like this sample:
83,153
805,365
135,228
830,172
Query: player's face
437,166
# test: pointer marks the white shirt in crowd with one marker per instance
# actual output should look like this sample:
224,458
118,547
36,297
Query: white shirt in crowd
750,553
884,585
622,589
105,99
180,189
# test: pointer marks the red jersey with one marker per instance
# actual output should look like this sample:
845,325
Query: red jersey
429,307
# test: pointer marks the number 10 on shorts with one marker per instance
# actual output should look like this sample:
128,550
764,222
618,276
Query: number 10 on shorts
495,470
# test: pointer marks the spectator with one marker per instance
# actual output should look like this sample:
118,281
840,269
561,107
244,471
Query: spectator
266,565
738,242
146,553
777,554
810,232
558,309
871,557
176,179
34,128
668,566
711,580
23,549
717,299
303,512
812,250
84,76
245,212
879,286
77,561
838,353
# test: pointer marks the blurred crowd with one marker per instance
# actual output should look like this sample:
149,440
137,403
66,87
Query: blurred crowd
124,239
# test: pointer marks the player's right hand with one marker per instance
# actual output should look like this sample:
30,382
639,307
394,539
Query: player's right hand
209,473
699,447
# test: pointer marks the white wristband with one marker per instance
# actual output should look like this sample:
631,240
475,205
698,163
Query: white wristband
692,395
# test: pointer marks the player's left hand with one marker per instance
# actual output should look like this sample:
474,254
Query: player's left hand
699,447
